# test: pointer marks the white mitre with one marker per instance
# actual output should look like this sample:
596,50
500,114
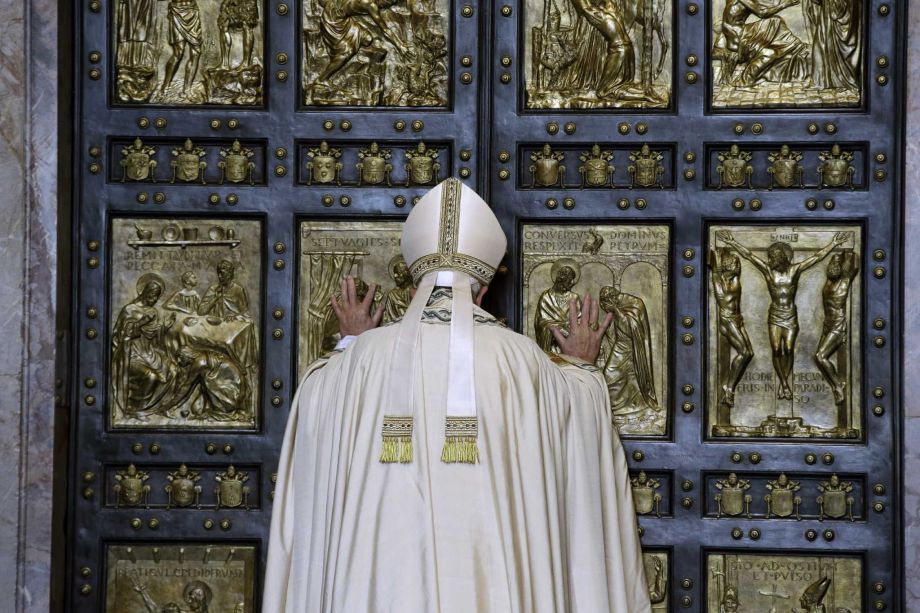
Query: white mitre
450,229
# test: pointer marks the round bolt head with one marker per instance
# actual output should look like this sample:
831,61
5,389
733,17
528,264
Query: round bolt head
687,407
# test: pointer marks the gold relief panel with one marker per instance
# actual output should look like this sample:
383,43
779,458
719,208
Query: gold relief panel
626,268
785,54
188,52
329,250
657,569
185,305
187,577
383,53
784,321
598,54
776,582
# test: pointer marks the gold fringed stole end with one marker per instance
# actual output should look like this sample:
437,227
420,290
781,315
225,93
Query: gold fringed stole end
397,439
460,440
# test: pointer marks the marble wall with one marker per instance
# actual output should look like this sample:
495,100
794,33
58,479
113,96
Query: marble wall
912,319
28,205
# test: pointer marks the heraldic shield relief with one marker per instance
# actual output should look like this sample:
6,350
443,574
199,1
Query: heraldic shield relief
329,250
186,311
625,267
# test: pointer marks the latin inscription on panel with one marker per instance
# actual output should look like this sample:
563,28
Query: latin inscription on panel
587,54
626,267
375,53
185,310
790,53
188,52
329,250
784,315
175,578
768,582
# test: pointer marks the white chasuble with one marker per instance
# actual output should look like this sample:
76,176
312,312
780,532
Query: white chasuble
544,523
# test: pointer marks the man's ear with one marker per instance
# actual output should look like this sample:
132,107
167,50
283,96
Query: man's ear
482,292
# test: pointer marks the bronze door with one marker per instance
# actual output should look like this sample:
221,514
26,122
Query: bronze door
726,181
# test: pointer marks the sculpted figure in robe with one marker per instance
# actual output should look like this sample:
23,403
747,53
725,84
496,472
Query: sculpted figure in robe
782,276
418,456
144,371
627,353
186,299
553,304
837,40
226,298
349,26
184,19
754,38
397,299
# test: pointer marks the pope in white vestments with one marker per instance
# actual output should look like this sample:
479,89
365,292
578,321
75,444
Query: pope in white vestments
444,463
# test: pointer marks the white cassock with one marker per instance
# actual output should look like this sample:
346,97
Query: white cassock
544,523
